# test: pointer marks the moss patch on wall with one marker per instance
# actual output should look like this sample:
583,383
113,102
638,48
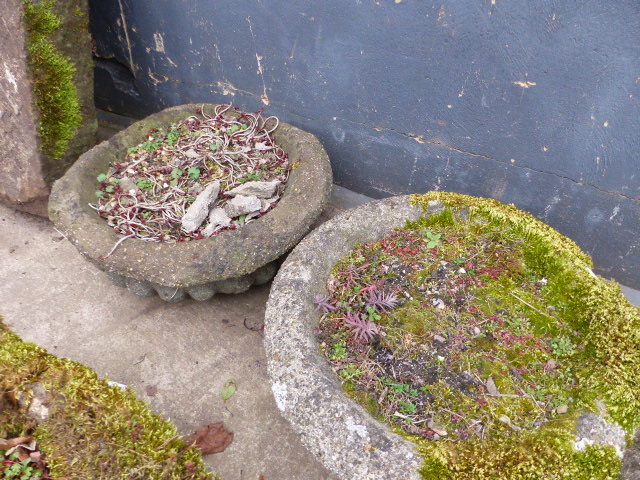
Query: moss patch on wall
93,430
52,75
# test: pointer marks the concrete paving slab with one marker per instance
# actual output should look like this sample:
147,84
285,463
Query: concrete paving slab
51,296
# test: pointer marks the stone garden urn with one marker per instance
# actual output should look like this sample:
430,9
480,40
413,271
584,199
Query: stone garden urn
590,436
226,263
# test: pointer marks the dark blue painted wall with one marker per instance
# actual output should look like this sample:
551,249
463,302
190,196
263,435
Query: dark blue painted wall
532,103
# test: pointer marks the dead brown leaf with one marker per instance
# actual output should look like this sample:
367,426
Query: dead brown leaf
23,454
212,438
151,390
6,444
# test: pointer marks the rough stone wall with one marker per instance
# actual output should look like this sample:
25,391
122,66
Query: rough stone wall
21,180
25,173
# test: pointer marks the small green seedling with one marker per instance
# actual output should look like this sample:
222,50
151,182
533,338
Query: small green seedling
194,173
433,239
373,316
562,346
144,184
102,177
252,177
15,469
350,371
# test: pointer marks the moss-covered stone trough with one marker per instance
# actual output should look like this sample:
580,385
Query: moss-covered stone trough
227,263
79,426
593,434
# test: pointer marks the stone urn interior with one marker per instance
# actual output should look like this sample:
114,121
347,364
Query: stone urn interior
585,344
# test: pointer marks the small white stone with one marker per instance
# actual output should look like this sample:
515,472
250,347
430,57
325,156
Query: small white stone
218,219
121,386
241,205
259,189
504,419
199,209
438,429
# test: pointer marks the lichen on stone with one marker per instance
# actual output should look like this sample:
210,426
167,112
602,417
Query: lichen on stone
55,95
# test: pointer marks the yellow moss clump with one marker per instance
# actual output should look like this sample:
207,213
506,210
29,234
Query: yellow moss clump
93,430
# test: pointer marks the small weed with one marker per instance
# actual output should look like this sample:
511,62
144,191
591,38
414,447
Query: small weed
252,177
145,184
407,408
15,469
350,372
373,315
562,346
338,352
194,173
433,239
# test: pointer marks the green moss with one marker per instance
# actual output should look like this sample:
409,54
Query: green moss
52,75
545,333
546,453
609,363
94,430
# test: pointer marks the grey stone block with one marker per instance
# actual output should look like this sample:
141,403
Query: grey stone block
242,205
199,209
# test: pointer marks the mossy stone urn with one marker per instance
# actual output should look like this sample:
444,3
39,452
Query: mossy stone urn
229,262
443,336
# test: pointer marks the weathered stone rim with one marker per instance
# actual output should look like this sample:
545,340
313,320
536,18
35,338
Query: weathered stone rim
230,255
347,440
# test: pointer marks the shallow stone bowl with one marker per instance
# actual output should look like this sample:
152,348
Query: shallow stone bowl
226,263
336,429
